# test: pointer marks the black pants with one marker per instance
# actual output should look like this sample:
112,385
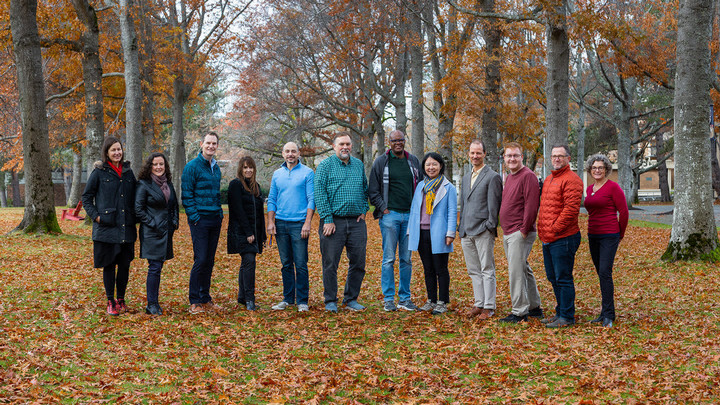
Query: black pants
352,235
602,250
437,275
152,284
246,278
205,235
119,280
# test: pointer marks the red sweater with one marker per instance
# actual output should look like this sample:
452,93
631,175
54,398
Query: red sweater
520,202
559,205
603,208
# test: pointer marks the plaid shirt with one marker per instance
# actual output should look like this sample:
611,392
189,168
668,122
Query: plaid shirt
341,189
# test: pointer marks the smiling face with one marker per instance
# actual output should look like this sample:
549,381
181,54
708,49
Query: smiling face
290,153
560,158
209,146
597,171
432,167
248,172
343,146
477,155
158,166
397,143
513,159
115,153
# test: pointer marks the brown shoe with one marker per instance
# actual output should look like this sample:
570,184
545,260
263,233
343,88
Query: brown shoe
196,309
474,311
486,314
211,306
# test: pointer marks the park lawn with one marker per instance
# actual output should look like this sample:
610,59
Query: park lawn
57,344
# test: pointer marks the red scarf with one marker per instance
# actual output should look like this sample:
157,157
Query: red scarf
118,169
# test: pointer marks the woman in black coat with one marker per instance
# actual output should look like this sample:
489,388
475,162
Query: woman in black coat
156,206
109,200
246,230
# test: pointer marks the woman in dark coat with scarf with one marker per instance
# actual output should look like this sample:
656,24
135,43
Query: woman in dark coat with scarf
156,206
109,200
246,229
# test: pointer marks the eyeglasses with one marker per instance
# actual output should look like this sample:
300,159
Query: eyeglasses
397,140
556,157
513,156
598,168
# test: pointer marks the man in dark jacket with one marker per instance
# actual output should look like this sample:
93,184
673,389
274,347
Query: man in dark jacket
391,186
201,199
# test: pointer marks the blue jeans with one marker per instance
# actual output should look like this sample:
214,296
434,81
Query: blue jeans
205,235
559,258
293,251
602,250
152,283
393,227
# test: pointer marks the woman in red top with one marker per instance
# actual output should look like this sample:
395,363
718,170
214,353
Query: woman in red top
608,218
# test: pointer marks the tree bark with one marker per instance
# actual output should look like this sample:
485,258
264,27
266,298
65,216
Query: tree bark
15,186
493,38
92,75
181,92
715,165
662,168
694,235
134,143
417,138
76,188
3,191
556,89
39,216
147,64
626,155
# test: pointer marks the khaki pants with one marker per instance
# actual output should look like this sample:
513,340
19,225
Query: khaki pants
523,288
480,262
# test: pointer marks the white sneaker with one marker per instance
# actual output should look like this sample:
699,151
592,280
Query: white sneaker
303,307
280,306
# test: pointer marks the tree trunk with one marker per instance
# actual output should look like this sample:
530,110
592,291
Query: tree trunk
76,189
492,36
92,75
3,191
147,64
39,216
134,143
67,181
556,90
626,155
662,168
401,76
580,145
417,139
715,166
694,235
177,142
15,185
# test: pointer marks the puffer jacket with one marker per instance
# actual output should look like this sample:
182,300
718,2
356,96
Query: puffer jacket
112,198
201,189
158,220
559,205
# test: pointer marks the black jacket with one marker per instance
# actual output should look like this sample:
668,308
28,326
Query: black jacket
158,220
247,217
112,198
379,180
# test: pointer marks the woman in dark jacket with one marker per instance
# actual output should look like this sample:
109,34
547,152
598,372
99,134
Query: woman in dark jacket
246,230
156,206
109,200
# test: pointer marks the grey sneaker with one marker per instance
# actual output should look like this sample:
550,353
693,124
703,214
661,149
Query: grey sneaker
303,307
546,321
389,306
331,307
407,306
354,306
429,306
560,323
280,306
440,308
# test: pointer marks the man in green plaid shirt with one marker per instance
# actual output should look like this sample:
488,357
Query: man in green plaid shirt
341,201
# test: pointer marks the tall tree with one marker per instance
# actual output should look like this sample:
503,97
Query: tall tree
133,91
694,235
39,216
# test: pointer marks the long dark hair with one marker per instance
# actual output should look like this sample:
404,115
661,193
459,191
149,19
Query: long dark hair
110,141
146,169
250,185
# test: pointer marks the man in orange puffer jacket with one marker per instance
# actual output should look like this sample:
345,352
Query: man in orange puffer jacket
559,233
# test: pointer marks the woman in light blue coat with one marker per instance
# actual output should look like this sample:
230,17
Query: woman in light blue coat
431,230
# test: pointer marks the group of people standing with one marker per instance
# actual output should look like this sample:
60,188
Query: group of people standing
415,204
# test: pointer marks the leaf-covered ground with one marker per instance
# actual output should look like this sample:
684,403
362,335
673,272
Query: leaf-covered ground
57,344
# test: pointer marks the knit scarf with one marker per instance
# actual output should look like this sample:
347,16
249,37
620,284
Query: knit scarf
430,189
161,181
118,169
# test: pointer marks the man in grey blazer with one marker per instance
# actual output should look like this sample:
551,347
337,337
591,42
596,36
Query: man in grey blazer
479,208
